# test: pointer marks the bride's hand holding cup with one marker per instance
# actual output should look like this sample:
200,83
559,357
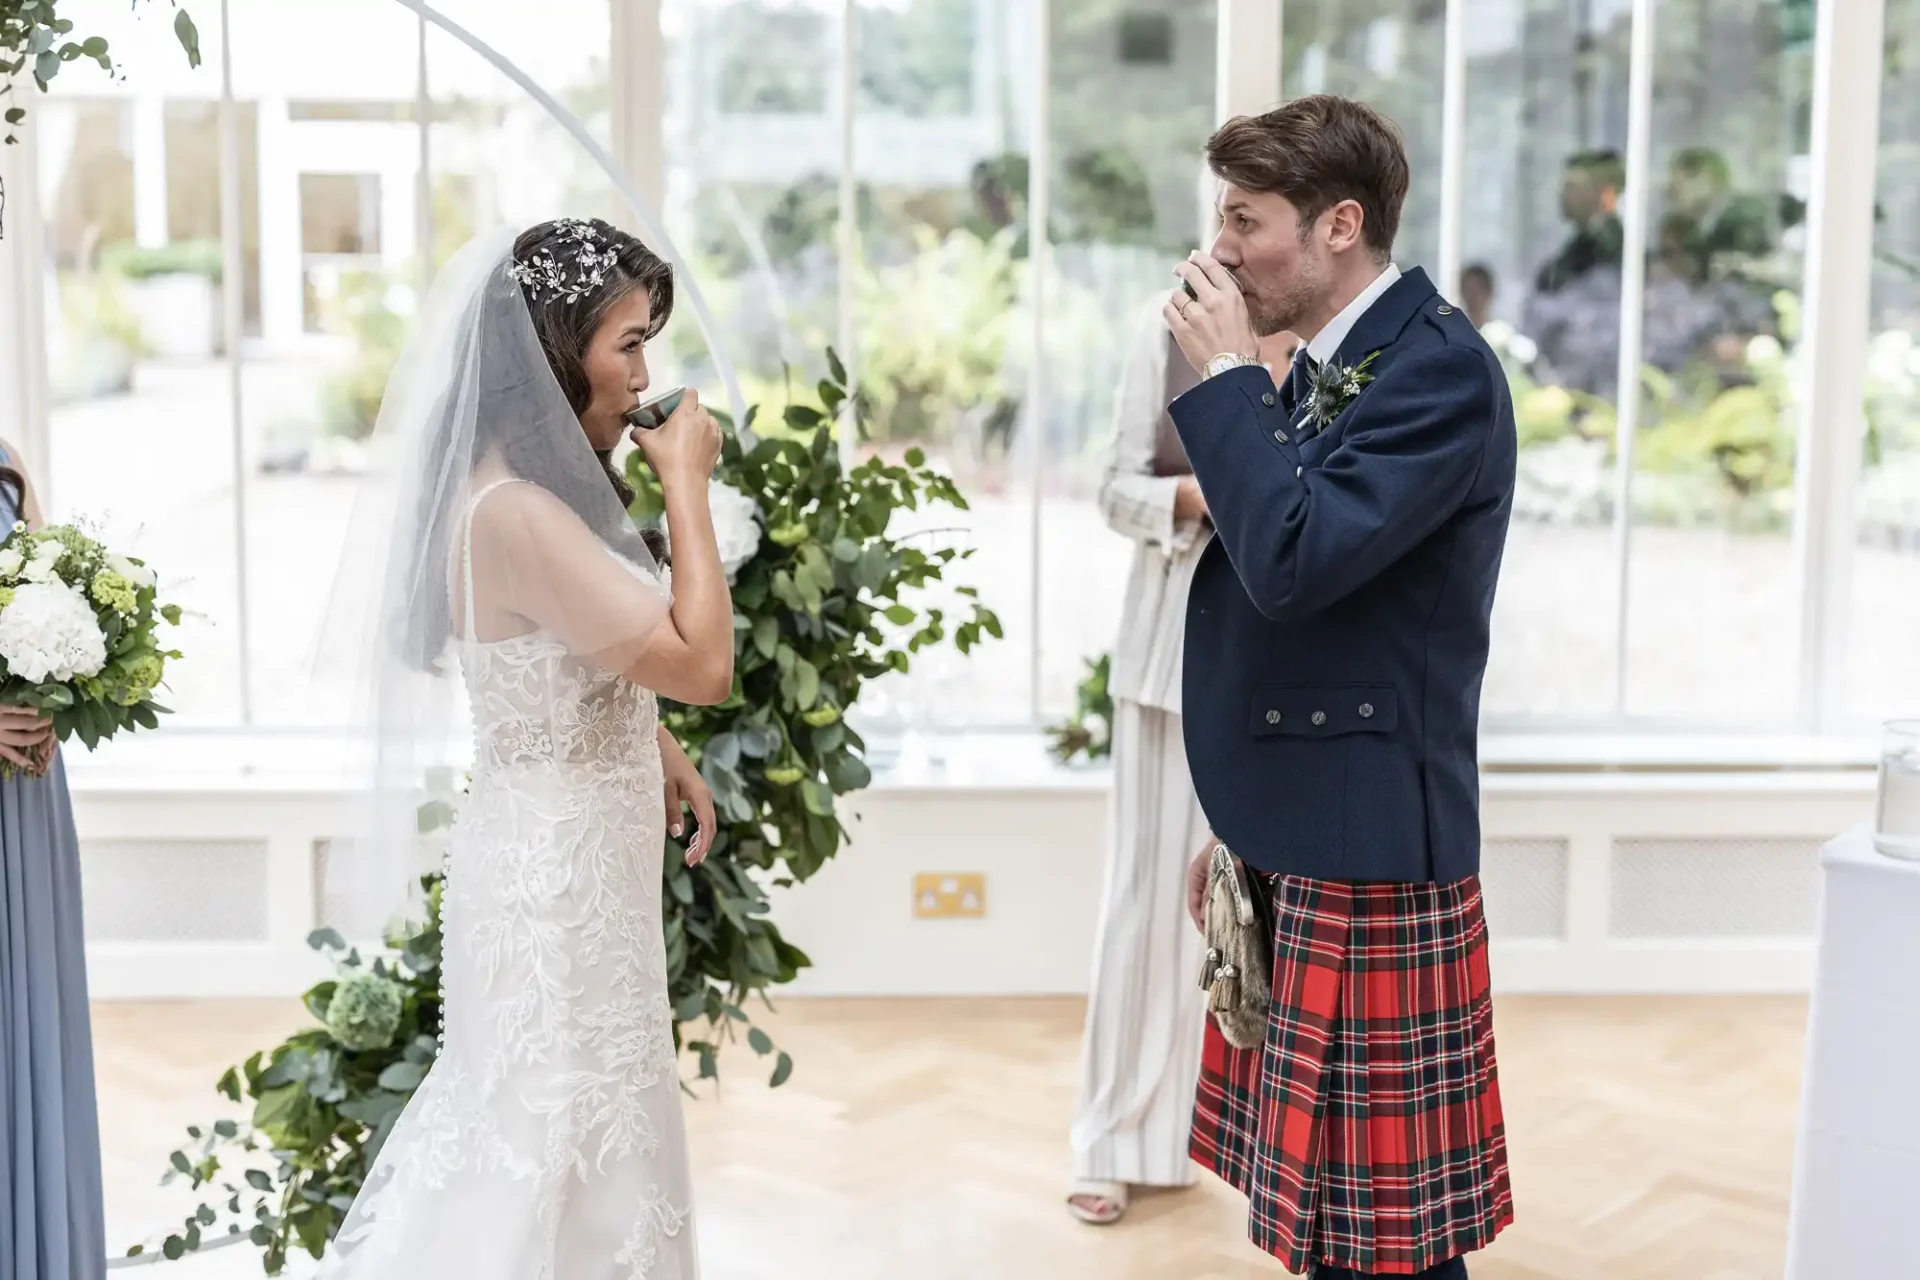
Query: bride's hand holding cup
686,447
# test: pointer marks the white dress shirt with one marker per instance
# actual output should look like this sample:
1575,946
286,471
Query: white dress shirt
1326,342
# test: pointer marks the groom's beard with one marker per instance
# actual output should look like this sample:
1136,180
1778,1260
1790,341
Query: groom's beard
1271,315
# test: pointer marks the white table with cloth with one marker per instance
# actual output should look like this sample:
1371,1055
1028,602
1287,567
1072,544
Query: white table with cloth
1856,1169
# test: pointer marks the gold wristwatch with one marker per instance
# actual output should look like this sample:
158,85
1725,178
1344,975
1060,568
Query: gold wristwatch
1227,360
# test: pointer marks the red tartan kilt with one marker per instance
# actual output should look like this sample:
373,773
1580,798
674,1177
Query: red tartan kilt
1366,1132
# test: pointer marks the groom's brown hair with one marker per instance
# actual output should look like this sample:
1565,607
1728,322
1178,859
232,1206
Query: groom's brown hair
1317,151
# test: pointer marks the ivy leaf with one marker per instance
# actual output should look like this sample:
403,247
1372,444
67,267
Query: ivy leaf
761,1042
258,1180
782,1069
899,614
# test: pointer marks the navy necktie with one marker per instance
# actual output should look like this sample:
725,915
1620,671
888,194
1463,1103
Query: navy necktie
1297,375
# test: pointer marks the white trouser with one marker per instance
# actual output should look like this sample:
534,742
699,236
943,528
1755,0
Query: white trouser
1140,1059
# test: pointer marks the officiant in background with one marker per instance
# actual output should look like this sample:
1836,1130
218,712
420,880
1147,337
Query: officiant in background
1140,1059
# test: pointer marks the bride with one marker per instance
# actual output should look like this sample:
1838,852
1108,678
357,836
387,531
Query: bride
547,1141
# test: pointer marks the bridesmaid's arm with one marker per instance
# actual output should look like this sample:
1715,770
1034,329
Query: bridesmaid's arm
29,500
26,737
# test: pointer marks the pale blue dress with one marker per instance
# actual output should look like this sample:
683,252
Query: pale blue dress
51,1218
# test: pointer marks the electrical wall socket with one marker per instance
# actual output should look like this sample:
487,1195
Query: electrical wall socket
949,895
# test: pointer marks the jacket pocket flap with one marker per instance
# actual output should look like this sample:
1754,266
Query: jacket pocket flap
1319,711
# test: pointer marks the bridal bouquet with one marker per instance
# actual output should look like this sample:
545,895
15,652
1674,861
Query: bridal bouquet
79,633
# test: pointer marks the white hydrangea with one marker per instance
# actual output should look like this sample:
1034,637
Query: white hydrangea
736,525
49,632
11,562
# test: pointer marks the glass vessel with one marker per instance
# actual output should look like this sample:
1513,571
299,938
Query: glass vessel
1896,827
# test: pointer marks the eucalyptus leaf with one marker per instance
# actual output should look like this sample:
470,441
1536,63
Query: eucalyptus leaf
402,1077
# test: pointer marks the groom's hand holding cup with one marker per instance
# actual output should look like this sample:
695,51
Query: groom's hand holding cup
1207,315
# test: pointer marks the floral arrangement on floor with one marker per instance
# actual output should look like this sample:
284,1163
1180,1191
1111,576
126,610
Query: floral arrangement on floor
79,634
1088,733
821,585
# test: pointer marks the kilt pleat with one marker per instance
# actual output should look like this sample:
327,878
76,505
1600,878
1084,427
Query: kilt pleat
1366,1132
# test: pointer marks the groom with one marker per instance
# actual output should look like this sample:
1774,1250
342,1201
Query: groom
1336,641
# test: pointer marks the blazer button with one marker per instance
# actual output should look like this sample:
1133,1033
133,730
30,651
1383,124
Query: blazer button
1273,717
1267,399
1366,711
1446,310
1281,436
1319,717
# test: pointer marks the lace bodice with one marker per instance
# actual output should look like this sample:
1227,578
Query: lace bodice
534,704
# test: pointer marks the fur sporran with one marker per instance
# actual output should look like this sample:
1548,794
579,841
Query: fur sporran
1238,974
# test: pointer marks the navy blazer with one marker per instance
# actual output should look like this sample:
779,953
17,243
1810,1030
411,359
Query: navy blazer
1337,626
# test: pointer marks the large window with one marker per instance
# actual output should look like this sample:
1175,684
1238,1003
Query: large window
1882,664
1541,240
1681,605
863,175
340,226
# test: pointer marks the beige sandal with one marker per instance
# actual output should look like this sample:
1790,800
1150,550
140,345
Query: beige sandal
1111,1197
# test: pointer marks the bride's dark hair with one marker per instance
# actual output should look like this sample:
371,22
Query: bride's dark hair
596,265
566,322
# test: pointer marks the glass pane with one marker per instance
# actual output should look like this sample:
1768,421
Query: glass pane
1713,597
345,261
1133,89
1388,54
941,327
327,161
752,182
1883,678
1540,240
142,423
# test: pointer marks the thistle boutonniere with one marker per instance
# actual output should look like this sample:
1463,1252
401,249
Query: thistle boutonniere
1332,387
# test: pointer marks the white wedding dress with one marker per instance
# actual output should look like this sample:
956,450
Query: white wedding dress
547,1142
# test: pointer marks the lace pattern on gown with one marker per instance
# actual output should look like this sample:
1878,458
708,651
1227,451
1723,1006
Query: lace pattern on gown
547,1142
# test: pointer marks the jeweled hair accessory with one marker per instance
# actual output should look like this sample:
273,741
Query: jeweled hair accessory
576,266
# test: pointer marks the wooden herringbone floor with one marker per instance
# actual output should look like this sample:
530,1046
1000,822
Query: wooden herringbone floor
1652,1140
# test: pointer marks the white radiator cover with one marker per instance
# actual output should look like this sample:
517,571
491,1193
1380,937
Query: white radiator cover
207,885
